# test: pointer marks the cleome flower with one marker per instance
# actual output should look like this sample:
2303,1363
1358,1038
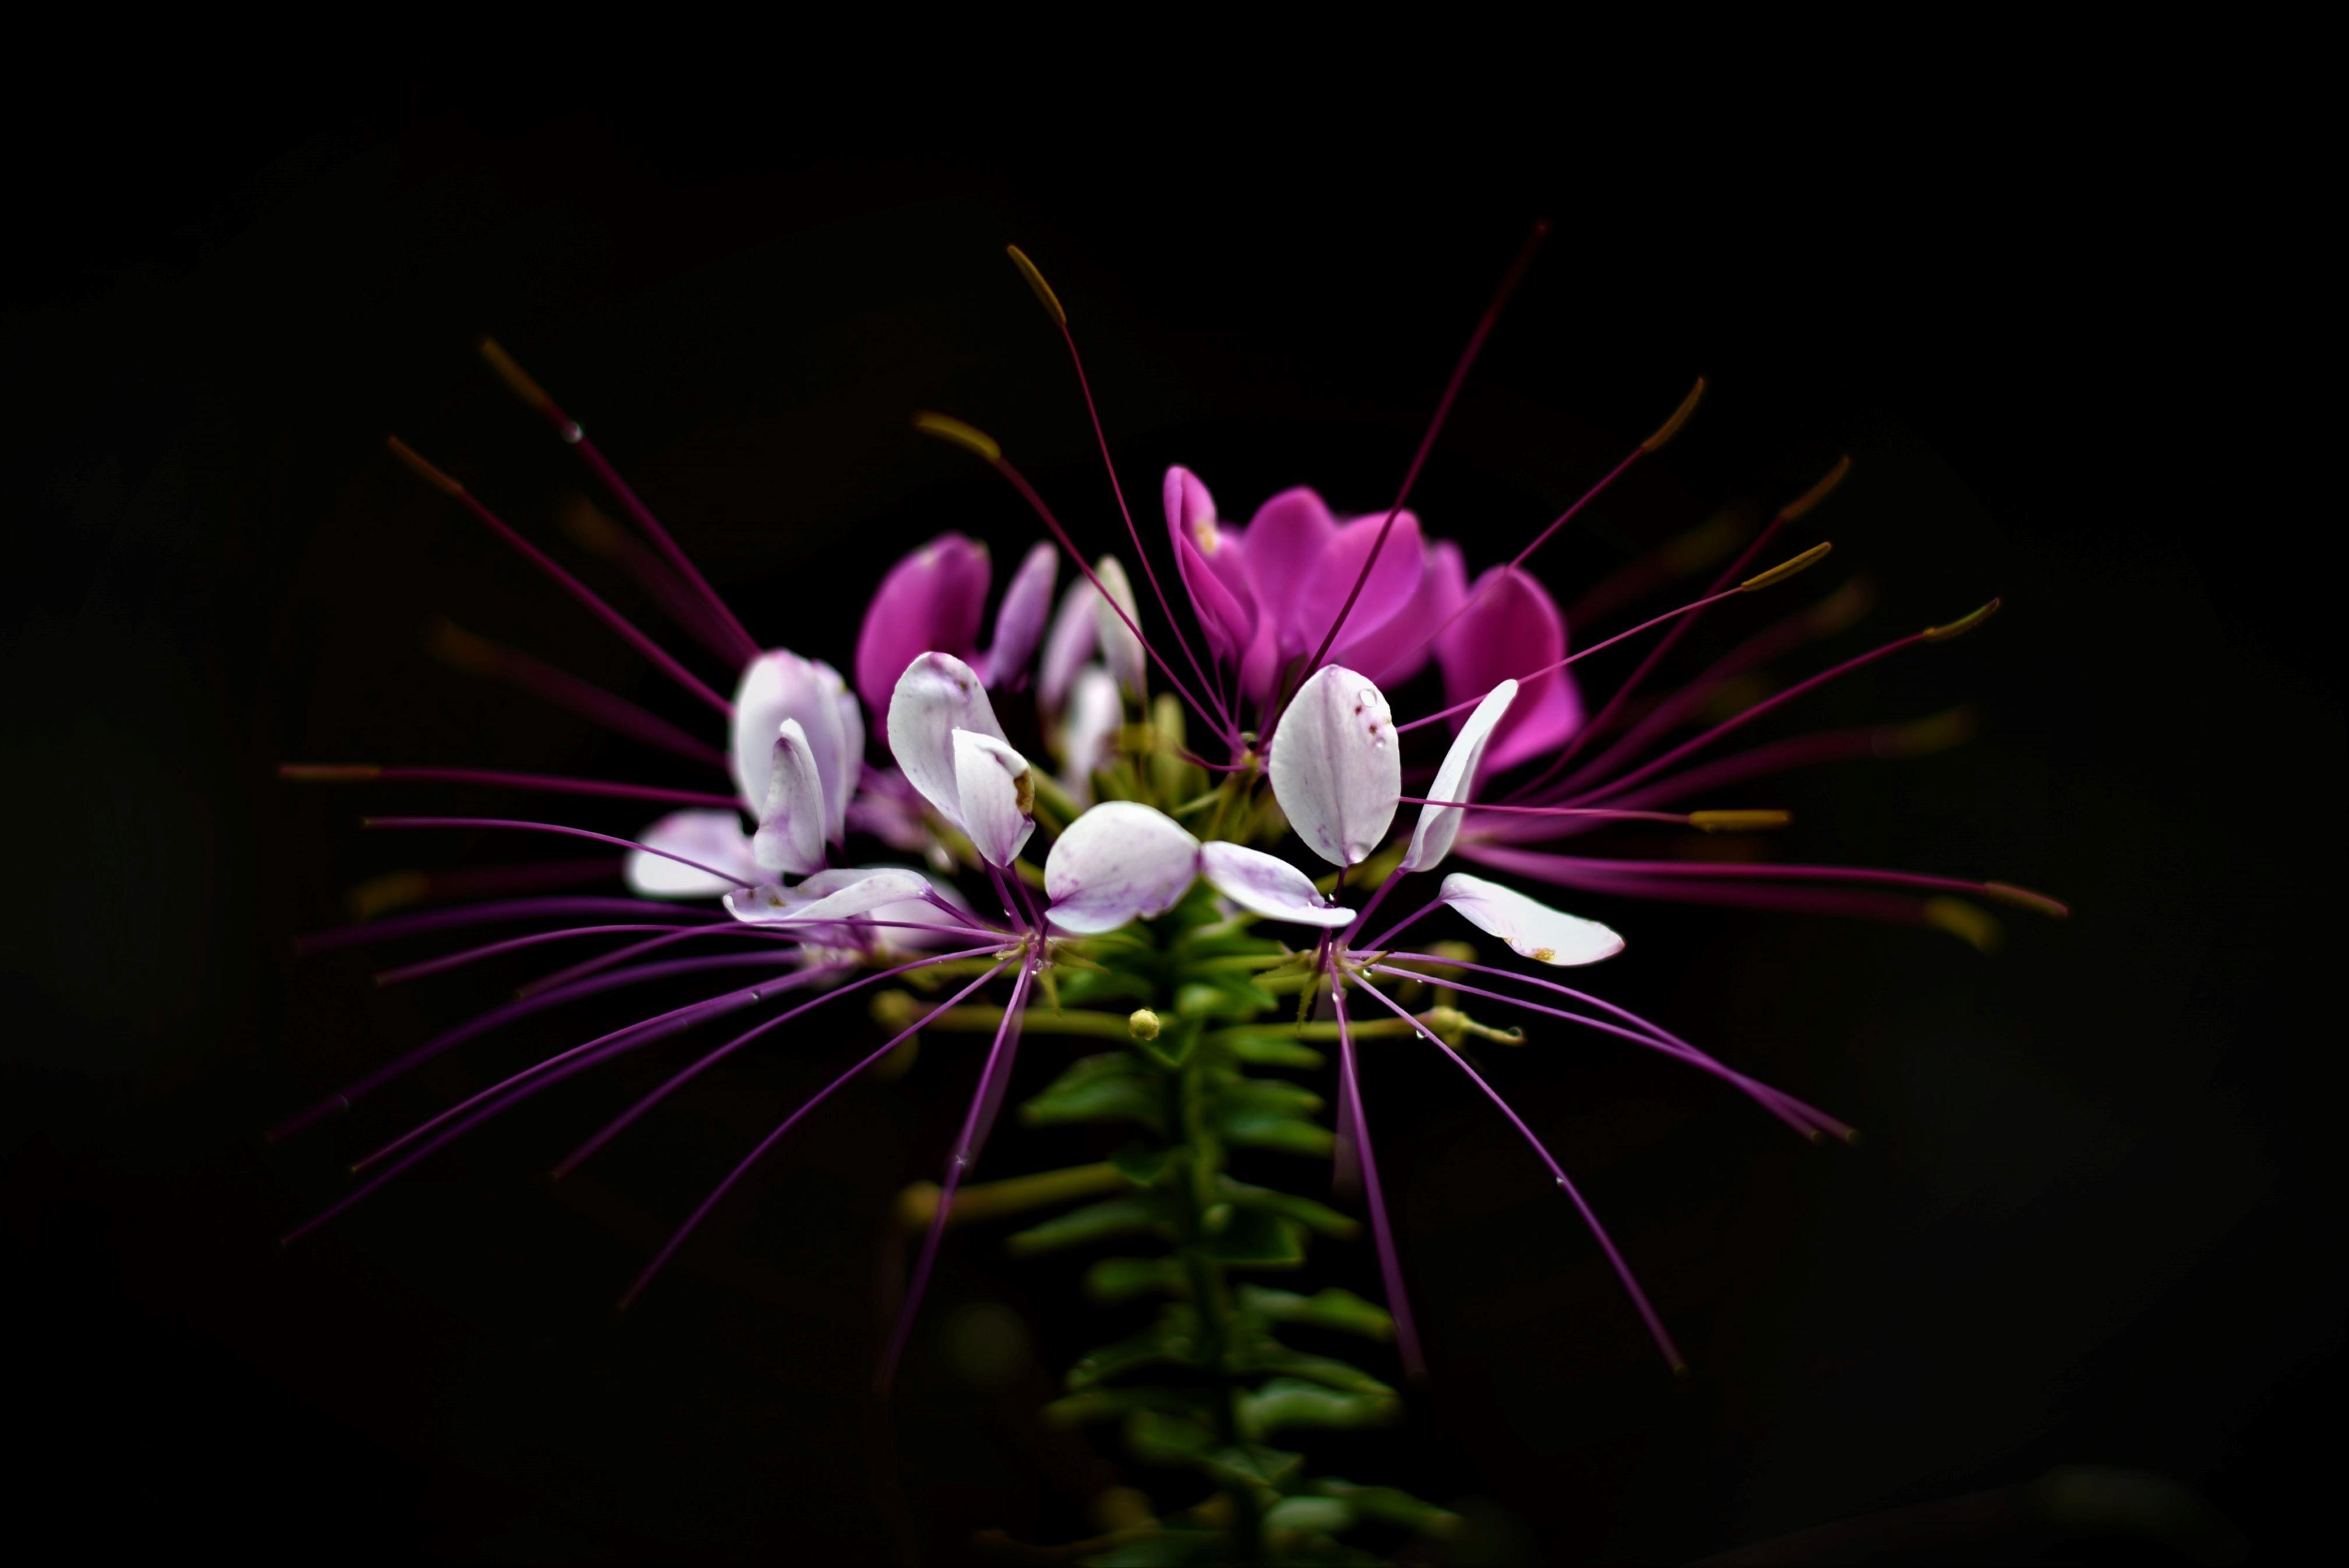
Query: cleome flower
1225,789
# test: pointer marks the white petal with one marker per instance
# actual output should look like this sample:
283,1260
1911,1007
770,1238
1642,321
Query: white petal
780,685
1067,645
1267,885
1431,841
713,839
1120,861
938,695
767,904
1535,930
997,796
1336,767
1121,644
790,839
1090,729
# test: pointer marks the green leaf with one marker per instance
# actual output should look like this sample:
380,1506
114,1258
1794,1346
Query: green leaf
1125,1279
1100,1403
1332,1308
1391,1505
1287,1402
1253,1238
1272,1051
1280,1133
1093,1223
1288,1206
1324,1515
1222,996
1165,1438
1268,1094
1108,1088
1173,1338
1252,1464
1142,1165
1271,1355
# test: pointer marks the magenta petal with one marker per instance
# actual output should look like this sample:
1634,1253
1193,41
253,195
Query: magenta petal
932,602
1230,624
1394,653
1283,543
1510,629
1392,582
1189,507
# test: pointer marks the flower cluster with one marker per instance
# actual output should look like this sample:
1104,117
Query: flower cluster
1225,783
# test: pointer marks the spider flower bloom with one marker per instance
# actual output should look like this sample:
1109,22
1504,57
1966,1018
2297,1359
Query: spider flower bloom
1287,634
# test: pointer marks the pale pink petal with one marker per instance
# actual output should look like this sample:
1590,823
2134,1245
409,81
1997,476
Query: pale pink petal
1532,929
1020,620
1118,863
1230,625
937,695
1068,645
1431,841
1120,644
908,921
931,602
996,796
1221,599
713,839
1267,885
790,834
1336,767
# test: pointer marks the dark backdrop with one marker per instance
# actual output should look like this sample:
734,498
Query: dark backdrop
2092,1221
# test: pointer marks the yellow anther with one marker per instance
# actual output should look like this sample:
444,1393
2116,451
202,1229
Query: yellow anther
430,475
1818,492
1739,821
1044,294
946,428
2023,898
515,377
1958,918
1962,625
1672,427
1785,569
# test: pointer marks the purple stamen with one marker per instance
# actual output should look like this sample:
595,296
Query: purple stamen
1084,386
726,877
504,1013
701,1210
475,915
1657,654
1801,1117
491,950
554,783
1767,705
567,691
1678,818
1571,658
572,436
993,1079
1390,1268
644,644
1606,1244
686,1075
1221,725
1554,867
1509,280
604,960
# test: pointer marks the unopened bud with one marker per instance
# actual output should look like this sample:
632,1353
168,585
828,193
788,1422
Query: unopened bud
1142,1024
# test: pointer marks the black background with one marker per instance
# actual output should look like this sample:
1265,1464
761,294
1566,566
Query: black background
2092,1221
